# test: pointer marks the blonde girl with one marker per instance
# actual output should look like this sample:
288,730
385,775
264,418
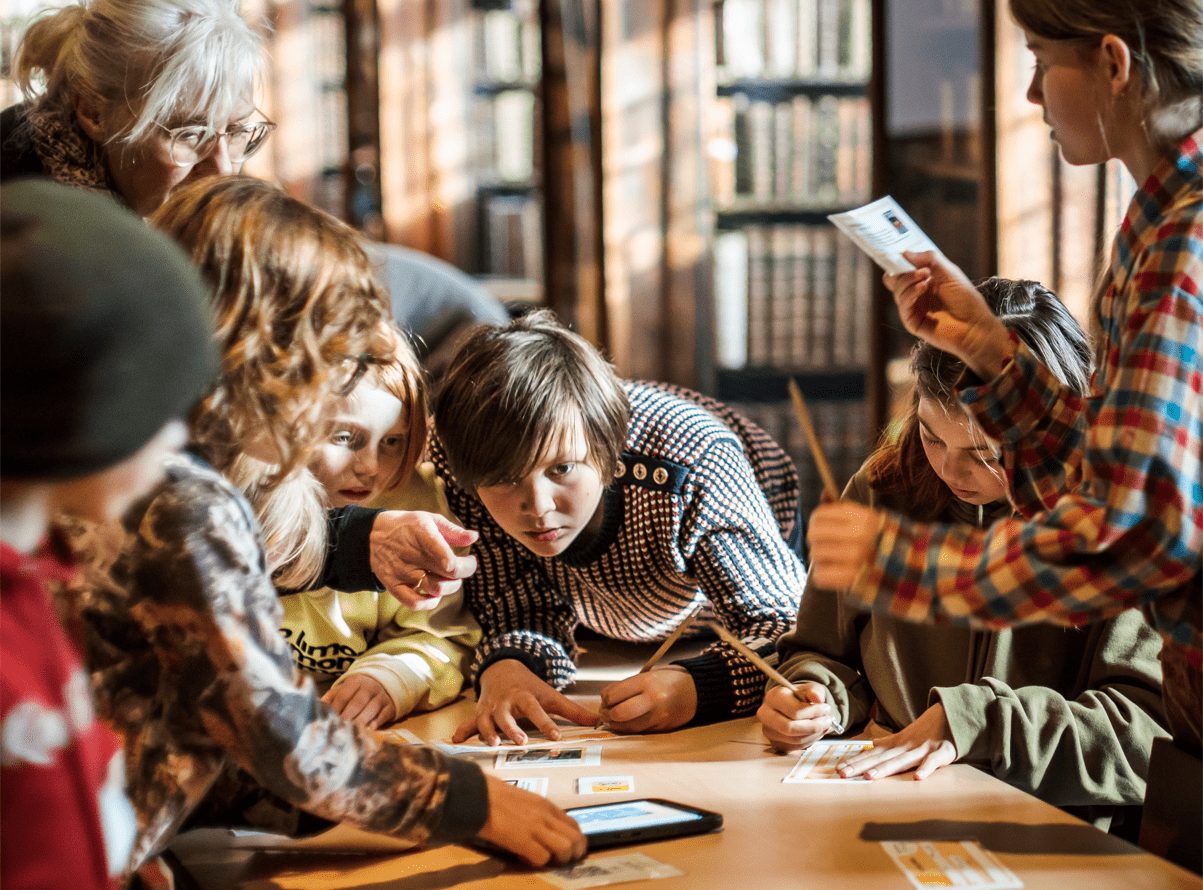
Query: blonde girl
374,659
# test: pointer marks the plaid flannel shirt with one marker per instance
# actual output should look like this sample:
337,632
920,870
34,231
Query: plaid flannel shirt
1110,485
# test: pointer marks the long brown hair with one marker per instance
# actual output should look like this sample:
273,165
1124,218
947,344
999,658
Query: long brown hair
899,468
298,313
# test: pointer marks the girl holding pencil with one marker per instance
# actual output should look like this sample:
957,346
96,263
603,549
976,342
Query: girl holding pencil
1067,715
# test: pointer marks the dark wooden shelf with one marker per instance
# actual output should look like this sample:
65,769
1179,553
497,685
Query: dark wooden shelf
772,384
783,89
496,87
740,215
503,189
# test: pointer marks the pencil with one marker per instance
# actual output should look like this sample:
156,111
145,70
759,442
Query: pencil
672,638
769,671
812,439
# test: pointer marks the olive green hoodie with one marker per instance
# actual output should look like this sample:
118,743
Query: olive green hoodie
1067,714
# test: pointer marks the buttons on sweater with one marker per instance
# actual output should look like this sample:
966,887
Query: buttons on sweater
653,473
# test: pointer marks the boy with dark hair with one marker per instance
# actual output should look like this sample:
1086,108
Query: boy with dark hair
617,505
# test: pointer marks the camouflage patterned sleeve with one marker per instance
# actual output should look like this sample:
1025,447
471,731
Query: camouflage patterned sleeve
202,594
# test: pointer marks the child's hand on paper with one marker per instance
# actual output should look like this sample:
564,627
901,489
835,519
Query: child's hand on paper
938,303
655,701
924,746
842,538
361,699
788,723
509,692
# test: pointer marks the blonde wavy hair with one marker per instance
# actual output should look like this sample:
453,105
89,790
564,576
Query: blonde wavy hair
145,63
299,319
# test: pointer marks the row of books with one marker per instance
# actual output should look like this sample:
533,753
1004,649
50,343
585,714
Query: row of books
503,136
795,39
791,296
808,151
511,236
842,427
507,45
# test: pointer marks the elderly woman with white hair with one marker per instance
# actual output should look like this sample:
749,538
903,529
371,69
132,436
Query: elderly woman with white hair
134,97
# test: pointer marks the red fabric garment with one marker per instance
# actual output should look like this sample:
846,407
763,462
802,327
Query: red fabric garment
64,818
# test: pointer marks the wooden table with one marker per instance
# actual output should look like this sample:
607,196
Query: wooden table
775,835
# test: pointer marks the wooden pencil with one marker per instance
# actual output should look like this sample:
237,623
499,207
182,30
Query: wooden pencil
812,439
769,671
672,638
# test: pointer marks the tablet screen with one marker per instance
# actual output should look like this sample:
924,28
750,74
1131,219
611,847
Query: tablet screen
629,815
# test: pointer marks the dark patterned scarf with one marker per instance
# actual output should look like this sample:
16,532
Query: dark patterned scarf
66,152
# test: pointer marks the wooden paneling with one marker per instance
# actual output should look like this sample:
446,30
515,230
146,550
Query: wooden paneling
406,123
657,80
571,174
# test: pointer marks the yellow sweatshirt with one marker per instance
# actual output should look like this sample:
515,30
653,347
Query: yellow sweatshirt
420,658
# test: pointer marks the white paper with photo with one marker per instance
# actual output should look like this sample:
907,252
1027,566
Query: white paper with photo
594,872
951,864
527,758
883,230
817,763
533,784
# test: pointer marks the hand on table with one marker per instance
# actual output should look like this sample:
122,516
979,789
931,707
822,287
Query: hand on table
790,724
924,746
842,538
509,691
413,555
654,701
361,699
532,828
938,303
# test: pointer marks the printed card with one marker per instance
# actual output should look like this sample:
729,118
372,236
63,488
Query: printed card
950,864
525,758
533,784
595,872
605,784
817,763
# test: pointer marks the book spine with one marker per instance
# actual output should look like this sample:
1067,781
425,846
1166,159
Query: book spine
758,295
731,299
782,295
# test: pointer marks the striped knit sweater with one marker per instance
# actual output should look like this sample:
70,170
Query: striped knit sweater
700,511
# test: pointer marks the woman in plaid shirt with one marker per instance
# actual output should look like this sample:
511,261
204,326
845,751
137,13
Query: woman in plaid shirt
1109,486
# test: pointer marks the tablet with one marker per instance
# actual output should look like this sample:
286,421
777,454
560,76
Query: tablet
636,821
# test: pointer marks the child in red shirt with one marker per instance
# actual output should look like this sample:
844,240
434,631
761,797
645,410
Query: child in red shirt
87,418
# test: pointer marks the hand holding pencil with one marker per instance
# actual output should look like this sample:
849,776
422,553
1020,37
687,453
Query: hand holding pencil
812,699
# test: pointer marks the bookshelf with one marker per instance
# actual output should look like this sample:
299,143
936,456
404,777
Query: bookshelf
307,93
505,244
792,142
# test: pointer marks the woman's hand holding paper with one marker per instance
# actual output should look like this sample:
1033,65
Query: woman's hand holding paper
939,303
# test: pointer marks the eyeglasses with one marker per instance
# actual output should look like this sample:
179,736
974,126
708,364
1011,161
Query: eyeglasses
189,145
